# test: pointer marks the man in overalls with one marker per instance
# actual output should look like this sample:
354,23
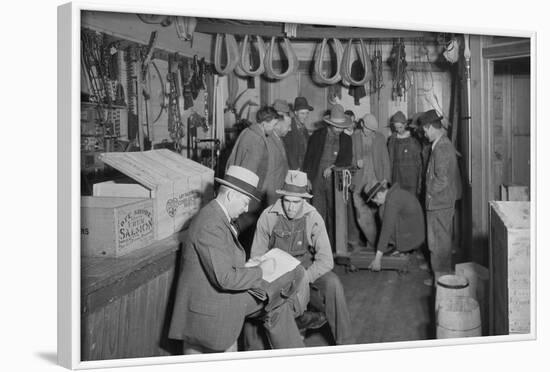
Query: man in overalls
295,226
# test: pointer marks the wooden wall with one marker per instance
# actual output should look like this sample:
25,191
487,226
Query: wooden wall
127,304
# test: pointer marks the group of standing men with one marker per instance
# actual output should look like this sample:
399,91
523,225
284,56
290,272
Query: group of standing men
264,203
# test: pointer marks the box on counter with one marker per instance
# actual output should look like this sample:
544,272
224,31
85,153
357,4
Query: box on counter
178,186
113,227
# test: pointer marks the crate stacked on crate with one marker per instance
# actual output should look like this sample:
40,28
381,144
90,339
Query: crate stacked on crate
177,188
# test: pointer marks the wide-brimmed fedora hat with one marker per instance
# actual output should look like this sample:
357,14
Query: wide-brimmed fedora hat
242,180
338,117
295,185
372,188
300,103
281,106
429,117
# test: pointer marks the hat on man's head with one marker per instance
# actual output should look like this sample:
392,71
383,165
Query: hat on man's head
369,121
338,118
295,185
242,180
429,117
281,106
372,187
398,117
300,103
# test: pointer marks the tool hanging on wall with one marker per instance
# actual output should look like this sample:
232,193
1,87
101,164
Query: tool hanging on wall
133,93
144,88
97,60
175,125
398,64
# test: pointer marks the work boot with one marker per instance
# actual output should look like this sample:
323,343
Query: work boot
311,320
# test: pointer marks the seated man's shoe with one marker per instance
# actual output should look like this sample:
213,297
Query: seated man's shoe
311,320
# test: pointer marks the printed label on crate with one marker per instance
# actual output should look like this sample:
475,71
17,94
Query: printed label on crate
134,226
190,201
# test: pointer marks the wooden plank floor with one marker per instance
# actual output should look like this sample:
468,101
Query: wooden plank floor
385,306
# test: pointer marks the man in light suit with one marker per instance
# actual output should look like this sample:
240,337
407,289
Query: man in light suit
443,188
214,289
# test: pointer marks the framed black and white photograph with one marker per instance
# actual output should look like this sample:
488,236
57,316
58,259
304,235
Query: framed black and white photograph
245,184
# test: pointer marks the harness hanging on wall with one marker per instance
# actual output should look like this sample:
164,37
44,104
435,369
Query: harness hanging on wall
398,64
318,75
377,81
231,52
346,69
291,57
244,67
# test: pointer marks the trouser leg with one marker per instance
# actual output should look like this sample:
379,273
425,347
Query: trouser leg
280,326
327,295
365,218
439,229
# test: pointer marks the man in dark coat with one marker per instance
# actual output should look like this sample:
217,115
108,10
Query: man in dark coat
216,292
370,157
402,220
443,188
327,148
251,151
296,140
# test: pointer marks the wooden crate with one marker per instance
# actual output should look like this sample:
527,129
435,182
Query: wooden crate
178,186
509,268
514,193
113,227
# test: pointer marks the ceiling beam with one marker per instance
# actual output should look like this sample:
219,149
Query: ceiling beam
308,32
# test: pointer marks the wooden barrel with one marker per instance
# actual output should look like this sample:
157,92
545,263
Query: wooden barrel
449,286
458,317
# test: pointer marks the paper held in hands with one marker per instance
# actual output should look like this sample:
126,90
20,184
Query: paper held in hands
282,264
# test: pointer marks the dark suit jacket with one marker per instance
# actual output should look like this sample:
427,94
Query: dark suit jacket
315,149
295,144
443,183
209,307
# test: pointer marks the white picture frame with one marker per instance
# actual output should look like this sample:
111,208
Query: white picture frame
69,194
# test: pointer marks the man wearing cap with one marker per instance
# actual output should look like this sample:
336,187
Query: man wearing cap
295,226
405,155
370,157
443,188
327,147
251,151
402,219
213,297
297,139
278,162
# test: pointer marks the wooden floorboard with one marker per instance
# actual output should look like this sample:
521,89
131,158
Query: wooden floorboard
385,306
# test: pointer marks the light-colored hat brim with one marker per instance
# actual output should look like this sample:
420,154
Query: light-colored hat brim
345,124
236,188
289,193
